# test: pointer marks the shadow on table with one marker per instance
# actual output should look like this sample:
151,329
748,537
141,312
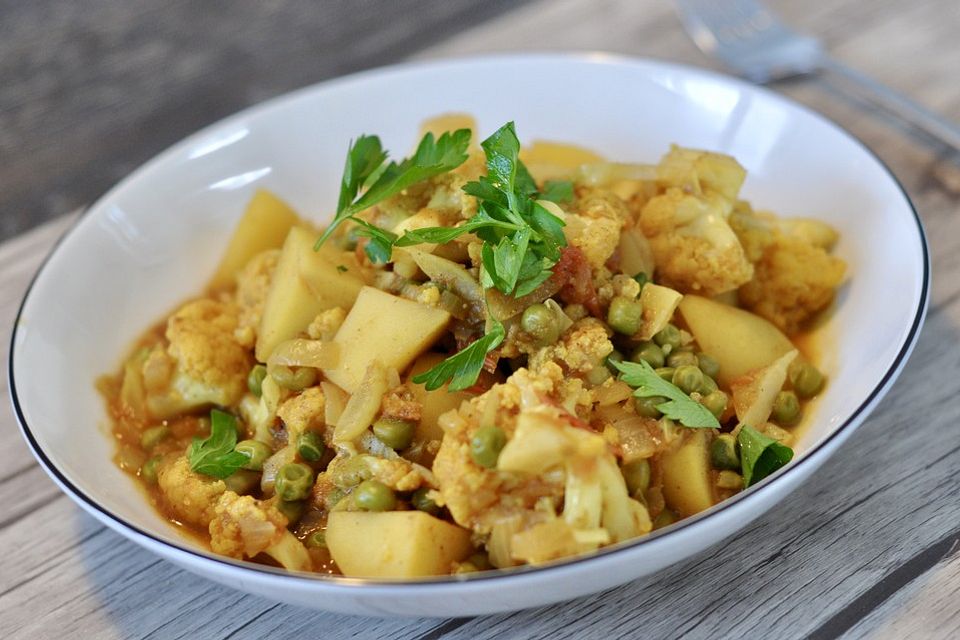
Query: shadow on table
879,501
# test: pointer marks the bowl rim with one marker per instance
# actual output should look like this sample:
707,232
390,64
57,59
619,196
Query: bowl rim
343,582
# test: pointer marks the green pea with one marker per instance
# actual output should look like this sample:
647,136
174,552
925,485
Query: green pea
709,365
715,402
624,315
615,356
486,444
598,375
729,480
291,509
242,481
650,353
541,323
148,472
666,518
295,378
786,408
396,434
669,335
310,446
637,476
257,453
723,452
421,501
688,378
665,372
317,540
373,495
647,407
352,472
709,385
154,436
255,379
294,481
806,379
680,358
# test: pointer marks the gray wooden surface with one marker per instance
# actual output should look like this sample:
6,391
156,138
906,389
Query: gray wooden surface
865,549
90,89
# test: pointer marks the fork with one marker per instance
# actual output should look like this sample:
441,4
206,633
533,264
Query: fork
753,42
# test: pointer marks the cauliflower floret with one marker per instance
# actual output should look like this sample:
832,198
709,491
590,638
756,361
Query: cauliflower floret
189,495
303,412
693,245
596,237
211,366
700,171
596,203
243,527
793,281
478,498
253,283
582,348
326,324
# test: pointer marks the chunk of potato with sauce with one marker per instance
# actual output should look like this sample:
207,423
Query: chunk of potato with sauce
687,482
264,225
394,544
387,328
739,340
305,283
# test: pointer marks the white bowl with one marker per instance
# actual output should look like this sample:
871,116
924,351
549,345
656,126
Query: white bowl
153,240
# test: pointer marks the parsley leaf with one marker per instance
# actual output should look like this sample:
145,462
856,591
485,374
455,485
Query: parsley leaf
679,406
521,239
364,166
759,455
215,456
463,368
557,191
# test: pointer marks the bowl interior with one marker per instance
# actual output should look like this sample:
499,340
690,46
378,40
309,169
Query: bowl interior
154,240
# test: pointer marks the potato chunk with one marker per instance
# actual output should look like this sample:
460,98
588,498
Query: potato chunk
434,403
264,225
687,484
387,328
305,283
394,544
739,340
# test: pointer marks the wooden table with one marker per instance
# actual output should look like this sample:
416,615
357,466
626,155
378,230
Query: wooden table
866,548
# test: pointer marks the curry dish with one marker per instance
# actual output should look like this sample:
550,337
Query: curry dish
493,356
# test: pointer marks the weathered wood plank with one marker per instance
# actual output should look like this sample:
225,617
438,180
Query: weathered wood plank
91,89
925,608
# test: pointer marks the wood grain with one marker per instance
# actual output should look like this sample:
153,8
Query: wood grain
91,89
863,549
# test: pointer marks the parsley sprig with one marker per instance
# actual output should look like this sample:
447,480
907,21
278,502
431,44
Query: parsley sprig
521,244
365,164
215,455
760,455
463,368
679,406
521,239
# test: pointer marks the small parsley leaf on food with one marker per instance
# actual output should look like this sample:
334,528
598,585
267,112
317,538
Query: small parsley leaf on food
679,406
557,191
463,368
760,455
365,168
521,238
215,455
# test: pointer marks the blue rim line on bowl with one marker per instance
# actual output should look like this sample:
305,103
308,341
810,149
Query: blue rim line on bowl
341,581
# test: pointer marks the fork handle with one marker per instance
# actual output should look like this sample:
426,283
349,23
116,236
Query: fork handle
899,105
